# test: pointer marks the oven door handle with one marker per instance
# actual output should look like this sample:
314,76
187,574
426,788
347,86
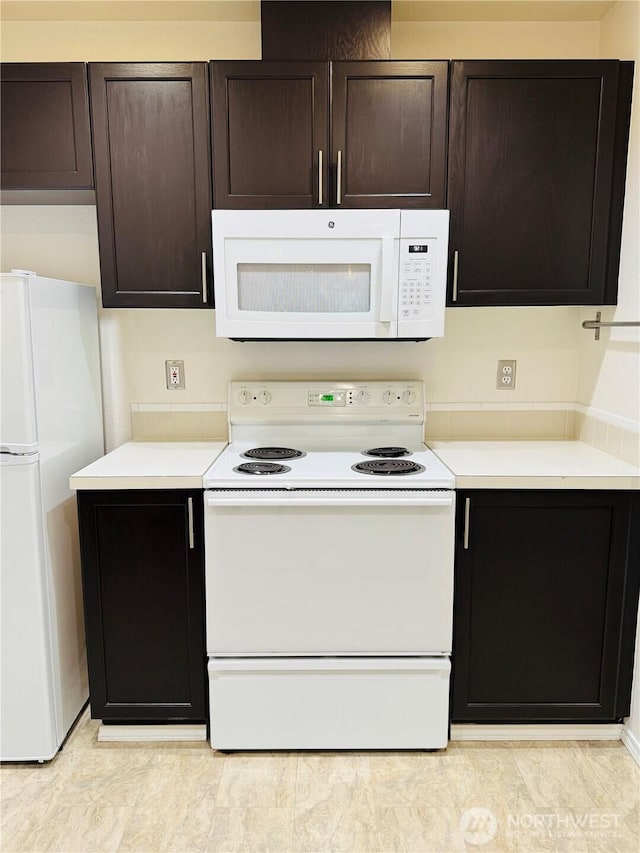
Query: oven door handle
294,499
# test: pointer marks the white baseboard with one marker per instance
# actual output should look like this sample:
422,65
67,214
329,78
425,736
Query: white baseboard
632,743
459,732
539,731
161,732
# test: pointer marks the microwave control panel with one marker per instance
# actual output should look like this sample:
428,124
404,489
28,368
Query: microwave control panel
417,270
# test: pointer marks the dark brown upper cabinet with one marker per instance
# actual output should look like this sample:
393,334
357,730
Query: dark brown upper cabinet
389,134
537,160
45,137
153,183
270,125
309,135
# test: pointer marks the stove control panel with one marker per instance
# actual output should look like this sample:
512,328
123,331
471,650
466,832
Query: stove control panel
328,398
339,397
325,402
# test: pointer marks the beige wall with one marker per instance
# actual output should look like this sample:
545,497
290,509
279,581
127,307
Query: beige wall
494,39
609,376
122,41
104,41
459,369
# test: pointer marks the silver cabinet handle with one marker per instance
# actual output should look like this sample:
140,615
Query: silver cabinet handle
454,297
339,179
467,513
320,176
192,542
204,278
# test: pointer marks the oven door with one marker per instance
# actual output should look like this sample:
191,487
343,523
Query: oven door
362,572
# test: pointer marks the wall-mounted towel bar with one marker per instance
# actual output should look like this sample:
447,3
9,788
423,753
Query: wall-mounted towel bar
598,324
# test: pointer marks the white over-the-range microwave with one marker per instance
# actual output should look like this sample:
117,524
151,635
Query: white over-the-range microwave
330,274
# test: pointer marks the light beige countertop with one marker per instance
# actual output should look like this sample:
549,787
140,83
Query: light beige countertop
476,465
534,465
150,465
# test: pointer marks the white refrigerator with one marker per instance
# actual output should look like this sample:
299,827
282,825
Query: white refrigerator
50,426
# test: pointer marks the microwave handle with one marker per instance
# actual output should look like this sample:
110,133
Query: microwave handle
389,289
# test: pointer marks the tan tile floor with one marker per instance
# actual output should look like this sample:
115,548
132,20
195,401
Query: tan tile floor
185,797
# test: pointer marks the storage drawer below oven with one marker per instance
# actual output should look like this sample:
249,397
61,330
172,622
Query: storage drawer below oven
329,703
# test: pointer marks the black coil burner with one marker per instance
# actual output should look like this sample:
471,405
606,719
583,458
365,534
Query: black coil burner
387,452
273,453
261,468
384,467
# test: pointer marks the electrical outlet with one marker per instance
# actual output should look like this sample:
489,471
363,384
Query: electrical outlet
506,378
175,375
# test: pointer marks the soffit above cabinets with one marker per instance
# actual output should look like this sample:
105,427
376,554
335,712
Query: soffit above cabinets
249,10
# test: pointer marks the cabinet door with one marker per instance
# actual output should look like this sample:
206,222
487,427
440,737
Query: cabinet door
151,142
270,134
546,594
537,154
143,579
389,131
46,141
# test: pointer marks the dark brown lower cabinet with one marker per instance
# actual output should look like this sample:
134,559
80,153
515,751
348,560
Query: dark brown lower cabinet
143,579
546,596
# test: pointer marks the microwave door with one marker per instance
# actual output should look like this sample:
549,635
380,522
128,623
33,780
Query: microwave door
309,289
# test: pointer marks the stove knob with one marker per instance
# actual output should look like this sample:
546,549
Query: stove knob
389,397
264,397
409,396
244,396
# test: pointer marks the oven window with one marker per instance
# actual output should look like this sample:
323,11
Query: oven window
312,288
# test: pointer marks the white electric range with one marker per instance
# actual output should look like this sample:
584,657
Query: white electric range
329,529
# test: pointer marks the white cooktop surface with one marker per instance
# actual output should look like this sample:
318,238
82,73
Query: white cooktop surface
326,467
332,422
